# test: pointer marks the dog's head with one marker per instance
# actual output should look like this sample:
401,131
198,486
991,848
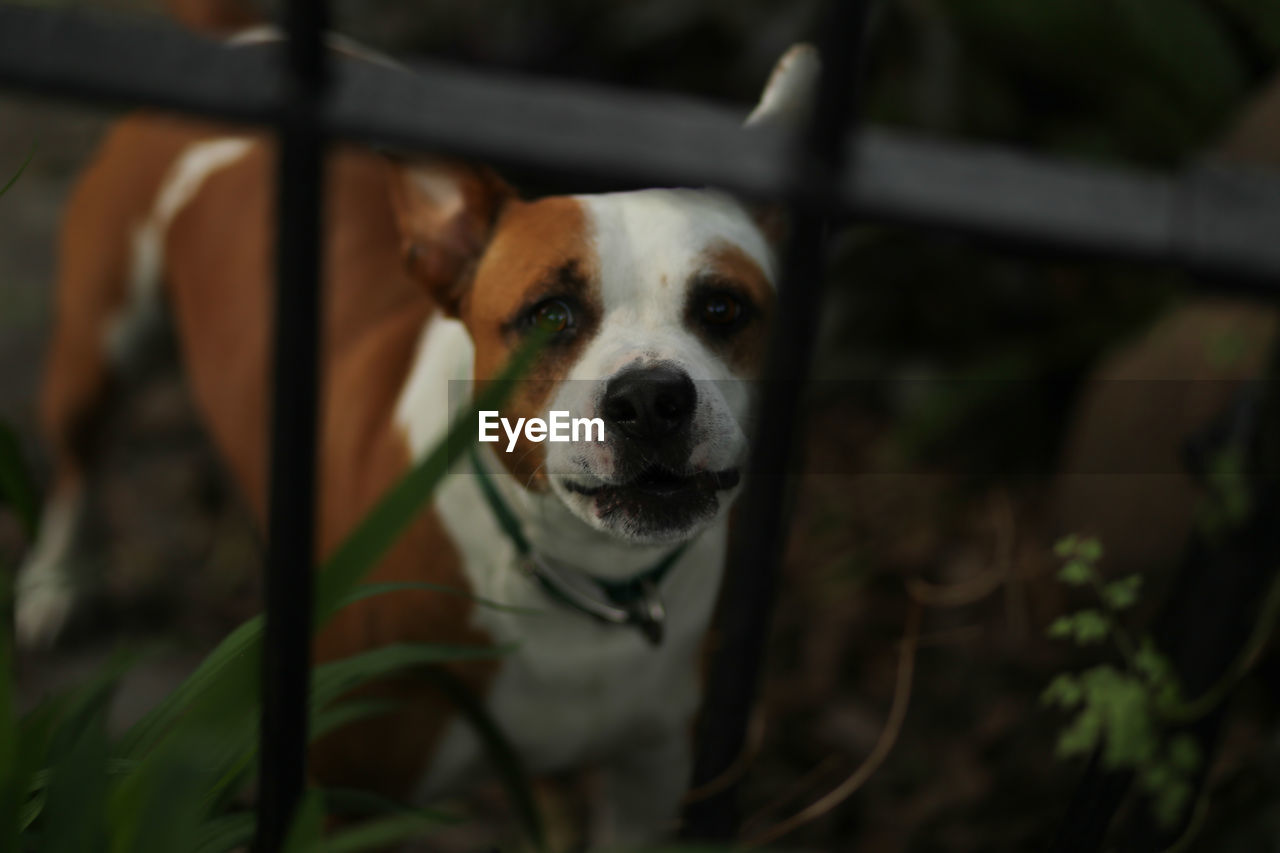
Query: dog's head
657,304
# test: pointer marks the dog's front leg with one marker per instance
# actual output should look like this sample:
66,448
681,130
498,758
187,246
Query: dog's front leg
642,790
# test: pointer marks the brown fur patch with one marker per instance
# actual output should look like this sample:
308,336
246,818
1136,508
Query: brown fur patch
732,268
95,258
445,213
534,244
220,269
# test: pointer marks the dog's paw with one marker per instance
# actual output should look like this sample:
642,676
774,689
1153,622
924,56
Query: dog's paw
42,609
45,591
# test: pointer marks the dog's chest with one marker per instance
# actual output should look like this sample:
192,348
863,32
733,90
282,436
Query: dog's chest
567,704
572,691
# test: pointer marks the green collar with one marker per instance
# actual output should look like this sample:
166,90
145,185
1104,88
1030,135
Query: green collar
634,601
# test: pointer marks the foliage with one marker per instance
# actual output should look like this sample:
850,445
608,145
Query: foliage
13,179
170,783
1129,711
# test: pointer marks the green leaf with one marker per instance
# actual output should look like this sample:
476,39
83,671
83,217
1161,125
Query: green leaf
14,179
1077,573
1091,627
355,803
235,659
17,486
1066,546
1184,753
230,661
308,825
1169,793
331,680
343,713
1062,627
1150,662
163,803
1131,738
1081,736
1064,691
381,527
1089,550
379,833
1085,627
1122,594
74,816
370,590
13,773
226,833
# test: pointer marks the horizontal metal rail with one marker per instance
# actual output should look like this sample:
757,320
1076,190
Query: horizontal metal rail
1212,220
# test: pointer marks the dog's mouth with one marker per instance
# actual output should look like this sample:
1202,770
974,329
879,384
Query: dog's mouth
661,482
658,501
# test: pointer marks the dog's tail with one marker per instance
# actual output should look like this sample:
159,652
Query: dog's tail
220,17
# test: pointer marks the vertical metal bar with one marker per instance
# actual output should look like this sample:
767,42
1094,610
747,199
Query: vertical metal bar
286,655
762,518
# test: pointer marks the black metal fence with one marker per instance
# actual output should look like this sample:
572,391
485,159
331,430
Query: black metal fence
1219,223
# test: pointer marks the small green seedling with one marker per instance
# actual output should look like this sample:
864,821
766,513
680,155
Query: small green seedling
1128,710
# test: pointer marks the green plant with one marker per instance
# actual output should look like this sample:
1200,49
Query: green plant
1131,711
22,168
171,782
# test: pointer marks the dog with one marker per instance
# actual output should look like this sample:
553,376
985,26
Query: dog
657,306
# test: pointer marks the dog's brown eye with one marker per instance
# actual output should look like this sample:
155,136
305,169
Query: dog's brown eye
552,316
720,309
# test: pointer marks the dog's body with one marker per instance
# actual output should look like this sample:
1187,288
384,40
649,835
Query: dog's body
435,272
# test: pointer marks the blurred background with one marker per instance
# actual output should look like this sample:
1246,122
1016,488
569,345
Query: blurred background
986,473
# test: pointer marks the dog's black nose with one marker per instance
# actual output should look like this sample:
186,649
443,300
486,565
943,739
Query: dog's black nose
649,403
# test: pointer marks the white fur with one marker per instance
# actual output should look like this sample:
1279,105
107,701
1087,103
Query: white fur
575,691
44,589
141,311
649,246
788,97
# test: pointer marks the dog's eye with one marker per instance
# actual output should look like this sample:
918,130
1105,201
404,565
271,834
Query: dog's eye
551,316
720,309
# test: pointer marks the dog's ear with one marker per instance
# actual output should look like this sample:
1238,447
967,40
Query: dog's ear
446,211
788,96
786,102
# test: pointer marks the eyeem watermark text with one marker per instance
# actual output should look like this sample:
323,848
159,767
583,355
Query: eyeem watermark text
560,427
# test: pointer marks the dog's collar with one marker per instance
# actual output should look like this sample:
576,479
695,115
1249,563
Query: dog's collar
634,601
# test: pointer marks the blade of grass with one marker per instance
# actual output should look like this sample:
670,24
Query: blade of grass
362,548
378,834
163,808
369,590
238,739
13,785
224,686
380,528
343,713
226,833
13,180
333,679
74,818
308,825
17,486
237,651
350,802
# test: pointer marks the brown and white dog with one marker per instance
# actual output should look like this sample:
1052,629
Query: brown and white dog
660,303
